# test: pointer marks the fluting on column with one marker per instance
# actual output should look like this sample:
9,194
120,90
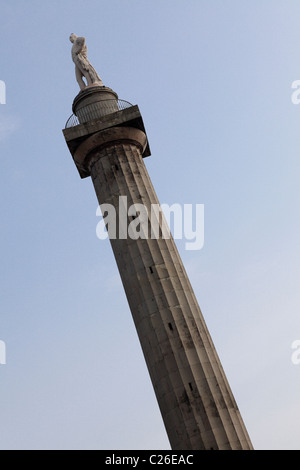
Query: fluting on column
195,399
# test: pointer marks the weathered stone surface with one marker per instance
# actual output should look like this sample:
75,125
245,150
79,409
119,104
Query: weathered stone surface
74,136
196,402
195,399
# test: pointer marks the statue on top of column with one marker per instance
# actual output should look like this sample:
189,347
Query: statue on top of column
83,67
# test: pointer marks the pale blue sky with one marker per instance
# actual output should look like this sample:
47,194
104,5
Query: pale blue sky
212,79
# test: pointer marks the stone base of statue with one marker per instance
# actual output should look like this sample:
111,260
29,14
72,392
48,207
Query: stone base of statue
94,102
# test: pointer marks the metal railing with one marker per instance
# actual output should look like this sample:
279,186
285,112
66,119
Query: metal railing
96,110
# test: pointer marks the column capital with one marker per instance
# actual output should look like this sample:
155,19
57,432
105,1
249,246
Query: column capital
130,117
89,150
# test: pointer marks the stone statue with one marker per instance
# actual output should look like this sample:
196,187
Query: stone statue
83,67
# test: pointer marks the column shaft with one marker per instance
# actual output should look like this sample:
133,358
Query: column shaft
197,405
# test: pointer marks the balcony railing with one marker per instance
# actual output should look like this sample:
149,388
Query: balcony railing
96,110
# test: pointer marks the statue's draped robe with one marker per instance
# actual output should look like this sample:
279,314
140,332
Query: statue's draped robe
79,56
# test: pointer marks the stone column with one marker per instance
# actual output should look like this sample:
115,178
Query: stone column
196,403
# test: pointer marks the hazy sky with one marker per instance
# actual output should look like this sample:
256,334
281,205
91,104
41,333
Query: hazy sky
213,81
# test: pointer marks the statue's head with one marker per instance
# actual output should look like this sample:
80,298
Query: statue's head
73,37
